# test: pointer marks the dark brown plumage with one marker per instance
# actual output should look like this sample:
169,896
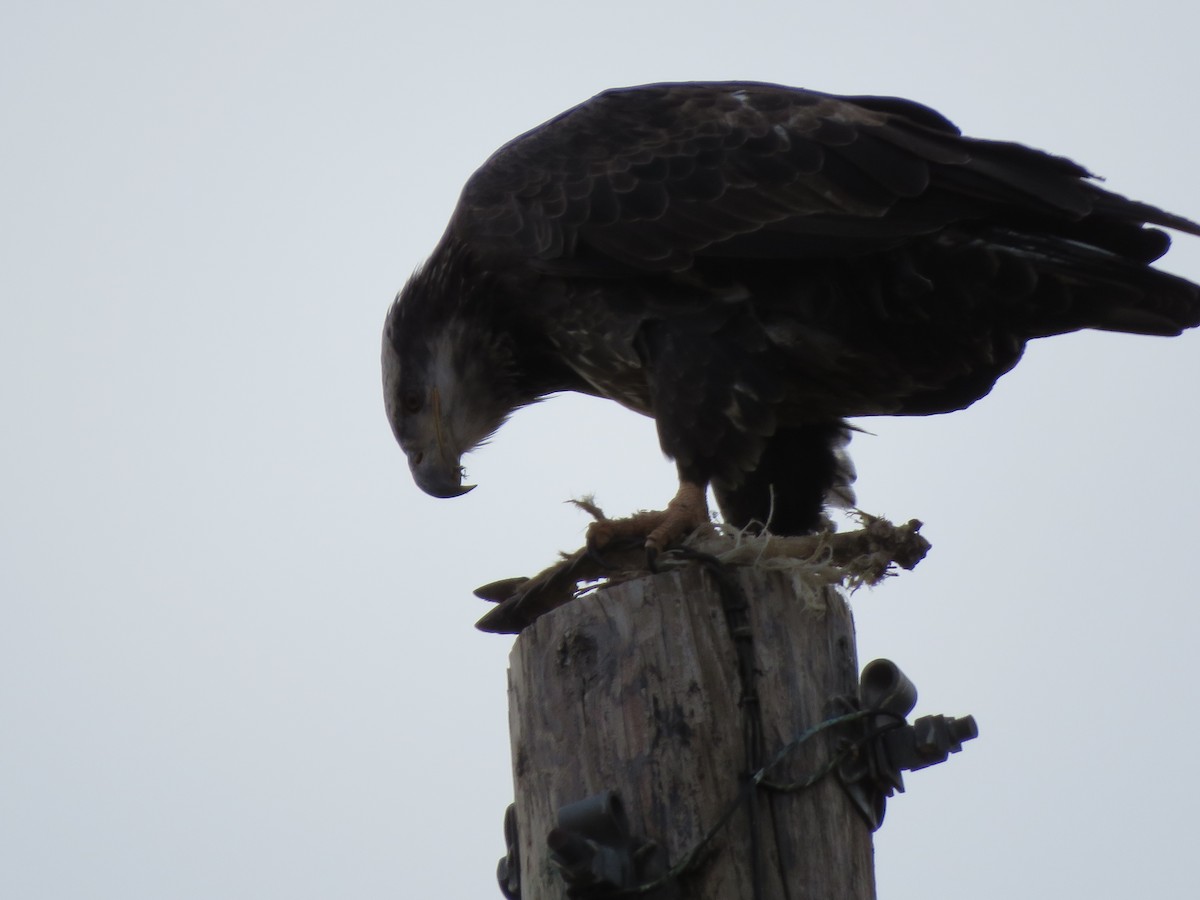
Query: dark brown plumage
751,264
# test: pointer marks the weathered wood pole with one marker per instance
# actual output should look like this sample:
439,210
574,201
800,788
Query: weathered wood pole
636,689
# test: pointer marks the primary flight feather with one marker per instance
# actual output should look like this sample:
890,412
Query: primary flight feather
751,264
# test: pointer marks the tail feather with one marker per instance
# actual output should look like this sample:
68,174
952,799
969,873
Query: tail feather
1078,285
1106,260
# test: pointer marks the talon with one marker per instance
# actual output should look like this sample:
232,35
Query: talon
594,554
655,531
599,536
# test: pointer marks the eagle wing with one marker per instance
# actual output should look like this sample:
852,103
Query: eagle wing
651,178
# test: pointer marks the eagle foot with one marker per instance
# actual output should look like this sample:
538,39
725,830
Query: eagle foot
657,530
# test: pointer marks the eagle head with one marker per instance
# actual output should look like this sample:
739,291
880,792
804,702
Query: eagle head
446,386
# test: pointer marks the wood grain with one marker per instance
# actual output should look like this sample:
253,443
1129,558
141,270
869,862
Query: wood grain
636,689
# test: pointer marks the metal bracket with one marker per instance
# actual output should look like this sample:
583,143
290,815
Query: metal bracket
888,743
508,870
598,857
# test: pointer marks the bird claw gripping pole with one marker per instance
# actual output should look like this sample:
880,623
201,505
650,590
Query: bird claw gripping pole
887,743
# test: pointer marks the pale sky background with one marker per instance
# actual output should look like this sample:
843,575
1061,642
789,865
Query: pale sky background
236,647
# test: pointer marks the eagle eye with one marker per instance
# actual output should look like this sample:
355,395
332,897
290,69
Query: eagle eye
411,402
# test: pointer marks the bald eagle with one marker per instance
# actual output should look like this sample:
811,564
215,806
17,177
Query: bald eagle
750,265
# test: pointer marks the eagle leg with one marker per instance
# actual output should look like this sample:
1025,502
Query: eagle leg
659,529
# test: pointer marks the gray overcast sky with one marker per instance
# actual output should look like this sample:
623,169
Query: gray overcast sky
236,653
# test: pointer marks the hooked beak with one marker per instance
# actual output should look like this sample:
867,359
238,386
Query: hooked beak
438,474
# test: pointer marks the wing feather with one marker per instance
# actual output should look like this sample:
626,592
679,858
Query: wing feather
650,178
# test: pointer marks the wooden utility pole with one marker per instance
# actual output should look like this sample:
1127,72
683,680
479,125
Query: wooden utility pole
636,693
